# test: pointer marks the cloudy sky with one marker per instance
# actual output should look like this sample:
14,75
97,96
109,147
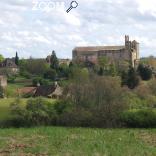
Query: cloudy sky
36,27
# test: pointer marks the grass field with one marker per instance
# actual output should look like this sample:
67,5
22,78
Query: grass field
55,141
5,104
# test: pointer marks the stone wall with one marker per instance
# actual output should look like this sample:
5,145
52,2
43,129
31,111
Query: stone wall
3,81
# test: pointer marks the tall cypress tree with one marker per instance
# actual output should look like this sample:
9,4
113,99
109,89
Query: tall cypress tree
54,61
16,59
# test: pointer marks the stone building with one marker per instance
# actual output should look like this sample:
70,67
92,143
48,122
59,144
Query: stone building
3,81
9,64
128,52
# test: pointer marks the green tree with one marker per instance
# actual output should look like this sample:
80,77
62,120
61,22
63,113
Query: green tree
145,72
16,59
64,70
33,67
133,79
103,62
1,58
50,74
54,61
112,69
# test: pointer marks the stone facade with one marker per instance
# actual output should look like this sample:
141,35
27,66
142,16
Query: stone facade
128,52
3,81
10,65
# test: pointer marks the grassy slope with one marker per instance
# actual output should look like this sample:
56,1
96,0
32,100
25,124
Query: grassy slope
69,141
5,104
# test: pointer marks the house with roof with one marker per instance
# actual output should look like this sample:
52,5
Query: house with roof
50,91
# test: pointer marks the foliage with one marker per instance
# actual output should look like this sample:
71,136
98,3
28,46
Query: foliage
50,74
16,59
101,97
145,72
103,62
37,112
1,58
54,61
39,81
130,78
11,79
64,70
140,119
33,66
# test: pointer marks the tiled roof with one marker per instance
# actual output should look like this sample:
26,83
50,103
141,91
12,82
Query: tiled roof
98,48
45,90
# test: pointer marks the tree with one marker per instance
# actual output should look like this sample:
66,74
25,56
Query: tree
50,74
145,72
54,61
103,62
64,70
33,66
16,59
132,79
1,58
112,69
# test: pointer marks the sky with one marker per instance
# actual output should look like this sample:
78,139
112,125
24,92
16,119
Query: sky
36,27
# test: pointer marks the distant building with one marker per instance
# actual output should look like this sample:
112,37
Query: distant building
26,91
9,64
3,81
50,91
128,52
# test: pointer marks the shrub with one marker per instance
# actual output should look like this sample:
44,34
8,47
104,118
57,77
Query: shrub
145,72
40,81
102,97
36,113
139,119
11,79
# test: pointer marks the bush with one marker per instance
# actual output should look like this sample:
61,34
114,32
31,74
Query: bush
37,112
145,72
25,74
39,81
101,97
11,79
139,119
50,74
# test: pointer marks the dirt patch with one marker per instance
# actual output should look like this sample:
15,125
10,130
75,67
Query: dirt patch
149,138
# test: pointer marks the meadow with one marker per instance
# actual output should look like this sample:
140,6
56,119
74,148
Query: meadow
49,141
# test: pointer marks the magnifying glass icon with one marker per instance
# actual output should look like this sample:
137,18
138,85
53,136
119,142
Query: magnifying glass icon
73,4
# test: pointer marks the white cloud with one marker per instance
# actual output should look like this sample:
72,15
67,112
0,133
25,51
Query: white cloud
94,22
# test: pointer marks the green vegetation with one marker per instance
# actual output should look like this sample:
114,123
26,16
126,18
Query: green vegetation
5,107
5,111
77,141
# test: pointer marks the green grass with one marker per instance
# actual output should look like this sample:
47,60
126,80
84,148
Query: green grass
58,141
5,106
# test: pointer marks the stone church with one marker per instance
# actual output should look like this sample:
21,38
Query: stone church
128,52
